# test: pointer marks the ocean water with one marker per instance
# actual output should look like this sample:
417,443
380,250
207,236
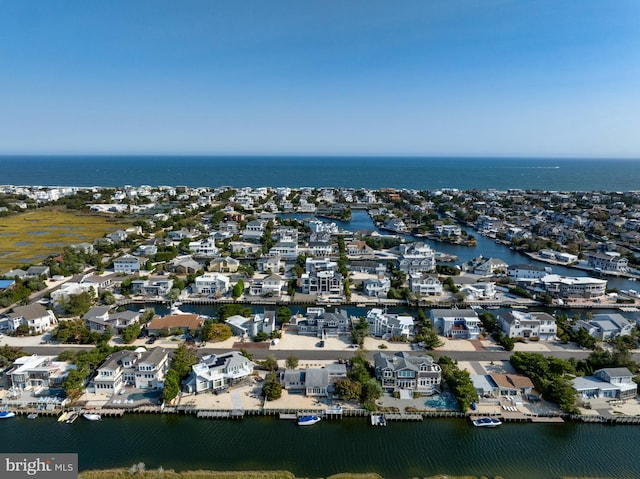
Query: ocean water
355,172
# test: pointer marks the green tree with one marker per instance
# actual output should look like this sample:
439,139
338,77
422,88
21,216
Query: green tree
171,385
215,332
131,332
292,362
348,390
283,315
270,363
238,288
272,389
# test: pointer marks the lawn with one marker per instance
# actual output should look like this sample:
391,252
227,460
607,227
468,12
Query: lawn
30,237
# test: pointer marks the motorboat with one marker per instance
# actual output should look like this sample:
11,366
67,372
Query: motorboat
33,415
308,420
487,422
6,414
92,416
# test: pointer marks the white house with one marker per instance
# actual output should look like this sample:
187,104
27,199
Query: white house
249,327
34,316
126,264
205,247
456,323
216,372
519,324
212,283
425,284
388,325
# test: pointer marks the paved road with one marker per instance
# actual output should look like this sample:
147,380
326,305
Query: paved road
328,355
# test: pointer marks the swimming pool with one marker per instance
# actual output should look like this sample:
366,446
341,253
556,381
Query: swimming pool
444,400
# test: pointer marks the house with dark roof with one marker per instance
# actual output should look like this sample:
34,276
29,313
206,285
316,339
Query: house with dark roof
323,324
405,372
34,316
456,323
173,322
140,368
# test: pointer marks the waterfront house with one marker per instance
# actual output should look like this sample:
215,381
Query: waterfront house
126,264
175,322
99,319
33,316
271,285
216,372
389,325
151,287
456,323
607,383
273,264
183,265
313,382
479,291
606,326
514,385
609,262
405,372
527,325
140,368
212,284
322,278
425,284
322,324
249,327
416,258
573,287
527,271
378,287
37,373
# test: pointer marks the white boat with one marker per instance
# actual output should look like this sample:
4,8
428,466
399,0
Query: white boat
487,422
91,416
6,414
33,415
308,420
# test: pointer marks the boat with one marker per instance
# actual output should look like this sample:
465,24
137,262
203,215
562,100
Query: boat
487,422
91,416
64,416
33,415
6,414
308,420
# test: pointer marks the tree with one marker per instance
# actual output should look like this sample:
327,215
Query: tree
270,363
348,390
215,332
272,389
173,295
79,304
238,288
292,362
171,385
131,332
283,315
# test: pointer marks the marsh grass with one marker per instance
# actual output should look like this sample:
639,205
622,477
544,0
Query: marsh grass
31,237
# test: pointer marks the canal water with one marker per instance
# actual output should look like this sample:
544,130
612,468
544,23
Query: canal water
400,450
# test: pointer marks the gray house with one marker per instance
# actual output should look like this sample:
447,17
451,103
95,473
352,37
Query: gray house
404,372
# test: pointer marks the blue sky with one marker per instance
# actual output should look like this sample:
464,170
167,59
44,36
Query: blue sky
452,77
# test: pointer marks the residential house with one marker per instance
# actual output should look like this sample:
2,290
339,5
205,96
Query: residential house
416,258
37,372
512,385
212,284
389,325
183,265
272,264
527,325
479,291
573,287
606,326
607,383
609,261
216,372
174,322
140,368
358,248
205,248
98,319
527,271
37,271
33,316
456,323
313,382
250,327
271,285
377,287
126,264
322,278
405,372
226,264
253,231
151,287
324,324
425,284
